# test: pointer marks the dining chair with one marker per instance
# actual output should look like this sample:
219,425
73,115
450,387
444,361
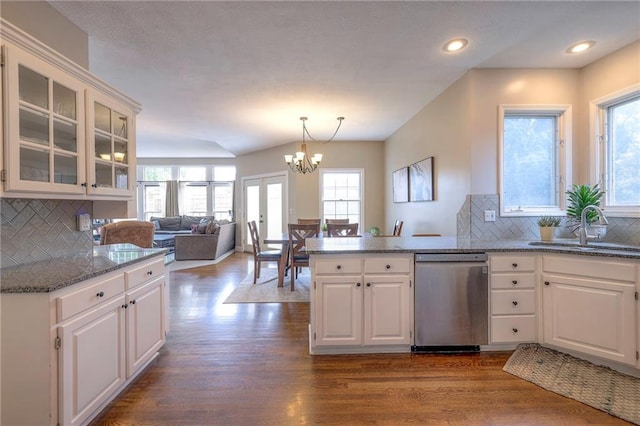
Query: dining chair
137,232
309,222
260,255
298,258
342,230
337,221
397,228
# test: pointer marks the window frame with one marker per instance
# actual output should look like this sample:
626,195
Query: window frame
563,114
598,134
360,172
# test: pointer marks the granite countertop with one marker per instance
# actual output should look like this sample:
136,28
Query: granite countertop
454,245
53,274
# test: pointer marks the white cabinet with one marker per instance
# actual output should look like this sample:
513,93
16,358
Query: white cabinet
67,353
362,303
513,298
590,306
66,133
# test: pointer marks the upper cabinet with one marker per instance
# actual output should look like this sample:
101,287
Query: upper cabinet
66,134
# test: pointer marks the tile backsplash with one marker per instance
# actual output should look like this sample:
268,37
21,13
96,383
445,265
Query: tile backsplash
471,224
32,230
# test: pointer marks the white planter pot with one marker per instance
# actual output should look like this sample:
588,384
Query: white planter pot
547,233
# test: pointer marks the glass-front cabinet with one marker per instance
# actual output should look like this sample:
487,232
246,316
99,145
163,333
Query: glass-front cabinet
45,146
111,148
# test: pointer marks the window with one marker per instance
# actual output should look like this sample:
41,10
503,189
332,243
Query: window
618,152
534,159
341,192
199,195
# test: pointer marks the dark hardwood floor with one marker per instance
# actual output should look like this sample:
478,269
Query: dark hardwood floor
249,364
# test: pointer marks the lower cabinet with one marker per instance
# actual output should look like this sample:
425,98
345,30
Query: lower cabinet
590,306
67,353
362,302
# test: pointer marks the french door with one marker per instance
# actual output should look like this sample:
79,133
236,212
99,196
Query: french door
265,202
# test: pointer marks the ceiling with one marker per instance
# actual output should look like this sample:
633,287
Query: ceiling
225,78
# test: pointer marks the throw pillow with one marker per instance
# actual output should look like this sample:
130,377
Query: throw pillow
202,227
156,225
194,229
212,227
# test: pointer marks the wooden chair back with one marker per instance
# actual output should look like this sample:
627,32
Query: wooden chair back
342,230
337,221
309,222
397,228
137,232
298,233
255,238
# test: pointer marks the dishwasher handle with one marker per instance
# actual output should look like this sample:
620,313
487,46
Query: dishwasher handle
451,257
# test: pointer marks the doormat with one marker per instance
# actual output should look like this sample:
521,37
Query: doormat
597,386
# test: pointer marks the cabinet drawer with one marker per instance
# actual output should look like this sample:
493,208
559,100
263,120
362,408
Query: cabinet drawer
511,329
514,281
338,266
516,302
89,297
388,265
513,263
144,272
592,268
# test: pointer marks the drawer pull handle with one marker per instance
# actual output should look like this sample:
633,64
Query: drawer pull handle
514,282
100,294
515,303
515,330
546,283
339,267
515,265
388,267
358,284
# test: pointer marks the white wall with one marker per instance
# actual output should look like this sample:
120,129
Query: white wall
42,21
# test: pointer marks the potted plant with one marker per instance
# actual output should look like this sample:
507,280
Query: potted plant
579,197
548,225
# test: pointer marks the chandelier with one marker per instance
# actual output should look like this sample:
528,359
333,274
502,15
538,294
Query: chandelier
300,162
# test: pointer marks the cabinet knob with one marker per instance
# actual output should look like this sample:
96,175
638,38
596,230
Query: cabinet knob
133,302
125,305
368,284
514,282
515,265
100,294
84,184
515,303
339,267
515,330
149,273
546,283
388,267
94,185
358,284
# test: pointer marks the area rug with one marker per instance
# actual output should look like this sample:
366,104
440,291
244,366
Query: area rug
266,290
600,387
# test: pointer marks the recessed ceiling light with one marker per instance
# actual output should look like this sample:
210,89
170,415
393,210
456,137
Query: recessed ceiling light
455,45
581,47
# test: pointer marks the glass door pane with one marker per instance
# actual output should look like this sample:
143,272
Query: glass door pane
34,126
34,165
102,118
33,87
103,176
64,101
64,135
65,169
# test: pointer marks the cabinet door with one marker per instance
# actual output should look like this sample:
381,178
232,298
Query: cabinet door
44,119
92,363
338,310
111,147
145,324
387,310
593,317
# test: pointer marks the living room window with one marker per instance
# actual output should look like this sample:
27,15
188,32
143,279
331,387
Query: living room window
617,151
341,194
534,148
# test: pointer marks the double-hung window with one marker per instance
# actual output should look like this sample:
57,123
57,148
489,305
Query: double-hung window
617,151
534,147
342,194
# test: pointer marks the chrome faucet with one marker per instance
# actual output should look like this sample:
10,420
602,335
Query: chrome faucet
583,222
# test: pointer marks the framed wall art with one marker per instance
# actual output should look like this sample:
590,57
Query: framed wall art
421,180
401,185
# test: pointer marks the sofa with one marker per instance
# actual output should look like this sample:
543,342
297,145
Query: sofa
196,237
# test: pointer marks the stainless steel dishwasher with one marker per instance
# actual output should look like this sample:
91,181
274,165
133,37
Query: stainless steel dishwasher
451,302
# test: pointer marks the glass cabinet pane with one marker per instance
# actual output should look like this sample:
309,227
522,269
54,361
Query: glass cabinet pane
64,135
120,151
65,169
33,87
103,146
102,118
64,101
34,126
120,125
103,175
122,177
34,165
